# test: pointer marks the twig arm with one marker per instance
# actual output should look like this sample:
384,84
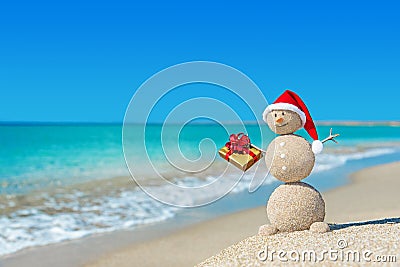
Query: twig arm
331,137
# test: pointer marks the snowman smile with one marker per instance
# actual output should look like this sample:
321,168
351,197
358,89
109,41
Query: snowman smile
282,125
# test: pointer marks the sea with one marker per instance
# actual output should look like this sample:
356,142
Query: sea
60,182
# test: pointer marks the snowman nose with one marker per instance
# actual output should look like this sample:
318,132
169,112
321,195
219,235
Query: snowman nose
280,120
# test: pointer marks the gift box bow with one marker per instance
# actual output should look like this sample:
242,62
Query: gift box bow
240,144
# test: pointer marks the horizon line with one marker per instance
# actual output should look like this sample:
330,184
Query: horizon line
82,123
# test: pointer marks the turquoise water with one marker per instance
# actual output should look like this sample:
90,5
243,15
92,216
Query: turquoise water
51,176
35,156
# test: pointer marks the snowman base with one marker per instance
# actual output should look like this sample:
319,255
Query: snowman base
267,229
295,207
320,227
317,227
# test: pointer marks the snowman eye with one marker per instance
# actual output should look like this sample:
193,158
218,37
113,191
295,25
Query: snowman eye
283,113
276,115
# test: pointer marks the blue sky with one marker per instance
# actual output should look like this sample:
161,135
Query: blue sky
76,61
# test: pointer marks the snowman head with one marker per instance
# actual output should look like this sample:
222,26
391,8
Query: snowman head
288,114
282,121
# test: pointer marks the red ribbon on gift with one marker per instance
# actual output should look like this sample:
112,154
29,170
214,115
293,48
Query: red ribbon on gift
239,143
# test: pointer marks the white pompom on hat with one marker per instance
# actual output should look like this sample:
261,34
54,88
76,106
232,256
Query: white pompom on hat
291,101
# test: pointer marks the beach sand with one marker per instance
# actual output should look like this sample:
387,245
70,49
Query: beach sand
371,196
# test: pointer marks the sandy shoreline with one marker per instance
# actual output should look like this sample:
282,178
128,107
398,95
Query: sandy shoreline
372,194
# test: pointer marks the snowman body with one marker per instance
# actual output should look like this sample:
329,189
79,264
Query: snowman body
294,205
290,158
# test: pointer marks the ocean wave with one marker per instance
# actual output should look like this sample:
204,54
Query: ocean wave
74,215
326,162
64,217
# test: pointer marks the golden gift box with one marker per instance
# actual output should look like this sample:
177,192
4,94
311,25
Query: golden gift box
242,161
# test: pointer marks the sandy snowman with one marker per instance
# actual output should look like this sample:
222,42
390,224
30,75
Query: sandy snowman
294,205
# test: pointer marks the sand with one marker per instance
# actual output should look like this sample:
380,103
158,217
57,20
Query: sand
371,197
350,244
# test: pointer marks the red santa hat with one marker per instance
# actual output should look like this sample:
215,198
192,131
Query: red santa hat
291,101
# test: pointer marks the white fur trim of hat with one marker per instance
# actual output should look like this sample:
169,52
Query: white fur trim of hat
284,106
